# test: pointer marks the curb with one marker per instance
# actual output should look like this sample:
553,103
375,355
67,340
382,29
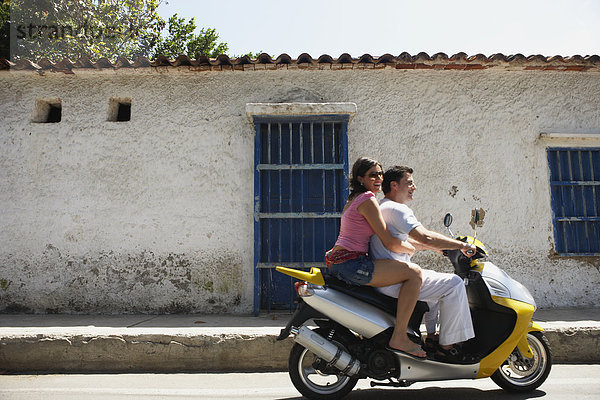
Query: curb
115,353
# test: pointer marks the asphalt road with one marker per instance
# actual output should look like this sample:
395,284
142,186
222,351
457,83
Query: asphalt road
566,382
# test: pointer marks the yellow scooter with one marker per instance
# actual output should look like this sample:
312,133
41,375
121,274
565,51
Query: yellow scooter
341,331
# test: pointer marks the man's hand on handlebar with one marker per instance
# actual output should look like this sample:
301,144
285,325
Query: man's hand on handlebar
469,249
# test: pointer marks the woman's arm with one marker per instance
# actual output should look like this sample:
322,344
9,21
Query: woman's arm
370,210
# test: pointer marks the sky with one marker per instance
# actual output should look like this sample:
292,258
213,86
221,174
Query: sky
377,27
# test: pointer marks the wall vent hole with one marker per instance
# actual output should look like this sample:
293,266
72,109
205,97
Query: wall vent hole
119,109
47,111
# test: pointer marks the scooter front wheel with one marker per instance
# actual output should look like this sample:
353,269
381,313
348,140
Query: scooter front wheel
314,378
521,374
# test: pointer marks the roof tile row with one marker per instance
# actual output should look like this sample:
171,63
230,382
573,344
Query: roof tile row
459,61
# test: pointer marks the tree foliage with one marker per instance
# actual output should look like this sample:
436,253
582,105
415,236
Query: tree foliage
57,29
4,29
73,28
182,40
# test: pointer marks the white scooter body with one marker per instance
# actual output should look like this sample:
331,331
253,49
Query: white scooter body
369,321
354,324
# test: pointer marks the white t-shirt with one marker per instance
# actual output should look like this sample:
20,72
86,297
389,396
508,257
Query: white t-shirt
400,220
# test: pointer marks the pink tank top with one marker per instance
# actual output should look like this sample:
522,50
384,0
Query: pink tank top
355,230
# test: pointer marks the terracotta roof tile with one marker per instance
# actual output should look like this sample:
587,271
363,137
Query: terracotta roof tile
264,58
441,61
122,62
182,60
345,59
304,58
203,60
104,63
325,58
365,59
44,63
440,57
461,57
141,62
84,62
283,59
223,59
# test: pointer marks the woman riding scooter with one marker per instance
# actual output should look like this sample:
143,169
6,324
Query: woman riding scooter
348,259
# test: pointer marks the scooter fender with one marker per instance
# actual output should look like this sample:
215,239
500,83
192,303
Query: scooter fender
523,344
518,337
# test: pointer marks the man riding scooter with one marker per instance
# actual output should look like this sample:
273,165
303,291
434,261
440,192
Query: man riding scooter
442,291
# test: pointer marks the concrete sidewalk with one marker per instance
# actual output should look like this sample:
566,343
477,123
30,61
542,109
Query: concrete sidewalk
207,343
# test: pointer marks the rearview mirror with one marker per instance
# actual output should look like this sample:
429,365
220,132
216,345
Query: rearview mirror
448,220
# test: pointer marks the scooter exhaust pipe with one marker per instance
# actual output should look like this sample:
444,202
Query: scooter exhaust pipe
326,350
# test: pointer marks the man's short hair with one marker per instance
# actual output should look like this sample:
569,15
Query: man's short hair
394,174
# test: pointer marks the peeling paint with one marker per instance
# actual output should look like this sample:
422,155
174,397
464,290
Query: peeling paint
203,281
481,217
453,191
4,284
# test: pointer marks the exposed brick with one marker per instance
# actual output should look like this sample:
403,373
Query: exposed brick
474,66
201,68
455,66
404,66
576,68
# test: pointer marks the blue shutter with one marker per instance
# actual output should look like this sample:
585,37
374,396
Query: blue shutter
300,191
575,195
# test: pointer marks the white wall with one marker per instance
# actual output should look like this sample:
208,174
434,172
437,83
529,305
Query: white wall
156,214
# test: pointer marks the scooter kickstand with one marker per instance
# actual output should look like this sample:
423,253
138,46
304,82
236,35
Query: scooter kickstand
391,383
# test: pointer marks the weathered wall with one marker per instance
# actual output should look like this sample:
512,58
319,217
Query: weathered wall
150,215
156,214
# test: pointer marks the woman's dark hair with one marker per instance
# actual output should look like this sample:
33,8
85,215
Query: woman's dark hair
360,168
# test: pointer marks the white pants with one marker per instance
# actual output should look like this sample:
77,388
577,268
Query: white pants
447,293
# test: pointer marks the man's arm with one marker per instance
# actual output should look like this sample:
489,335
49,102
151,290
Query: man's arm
436,241
418,245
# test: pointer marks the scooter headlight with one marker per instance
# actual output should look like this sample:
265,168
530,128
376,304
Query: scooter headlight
516,292
523,294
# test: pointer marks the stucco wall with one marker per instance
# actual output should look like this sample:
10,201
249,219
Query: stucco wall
156,214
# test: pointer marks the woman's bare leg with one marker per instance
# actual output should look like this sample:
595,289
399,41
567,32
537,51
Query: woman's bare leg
390,272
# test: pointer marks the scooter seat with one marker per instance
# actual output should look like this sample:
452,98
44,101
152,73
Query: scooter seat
367,294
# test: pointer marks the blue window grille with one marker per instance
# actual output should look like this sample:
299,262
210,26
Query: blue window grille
300,191
575,196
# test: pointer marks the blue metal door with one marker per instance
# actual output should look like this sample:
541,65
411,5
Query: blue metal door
300,191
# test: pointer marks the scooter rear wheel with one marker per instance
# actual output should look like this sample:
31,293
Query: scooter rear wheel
313,379
521,374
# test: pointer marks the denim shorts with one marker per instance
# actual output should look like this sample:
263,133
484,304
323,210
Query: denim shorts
358,271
